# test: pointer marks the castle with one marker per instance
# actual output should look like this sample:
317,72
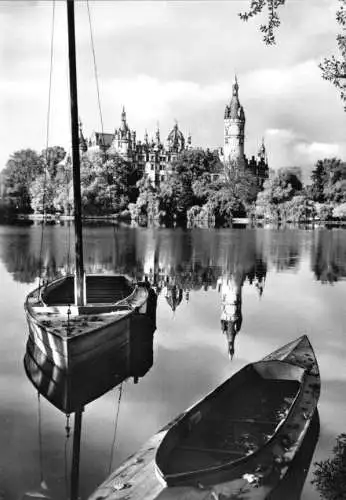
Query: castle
153,158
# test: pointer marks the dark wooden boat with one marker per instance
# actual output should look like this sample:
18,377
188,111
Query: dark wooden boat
243,436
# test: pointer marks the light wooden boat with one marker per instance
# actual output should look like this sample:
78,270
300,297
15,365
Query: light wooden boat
68,334
241,438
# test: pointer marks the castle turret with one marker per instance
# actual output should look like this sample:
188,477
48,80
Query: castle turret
262,152
83,146
234,132
157,136
123,126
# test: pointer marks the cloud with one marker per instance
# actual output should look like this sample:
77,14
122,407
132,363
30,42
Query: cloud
297,150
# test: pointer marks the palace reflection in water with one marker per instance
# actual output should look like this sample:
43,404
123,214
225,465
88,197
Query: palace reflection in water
221,294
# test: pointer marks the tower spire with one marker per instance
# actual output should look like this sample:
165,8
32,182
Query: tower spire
235,86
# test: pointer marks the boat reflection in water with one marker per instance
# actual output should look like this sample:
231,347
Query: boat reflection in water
70,390
291,487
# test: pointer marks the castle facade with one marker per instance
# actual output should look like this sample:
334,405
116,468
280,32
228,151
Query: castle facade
154,158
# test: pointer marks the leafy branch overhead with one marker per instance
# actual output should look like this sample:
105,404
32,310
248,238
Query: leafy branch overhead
333,68
268,29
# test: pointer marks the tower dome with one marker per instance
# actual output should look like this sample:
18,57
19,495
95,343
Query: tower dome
176,139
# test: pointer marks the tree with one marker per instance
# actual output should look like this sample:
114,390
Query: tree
339,212
318,177
42,192
21,169
188,184
273,22
329,181
299,209
278,190
108,184
330,474
333,68
51,157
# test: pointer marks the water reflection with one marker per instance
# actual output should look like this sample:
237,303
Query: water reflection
329,256
70,391
230,286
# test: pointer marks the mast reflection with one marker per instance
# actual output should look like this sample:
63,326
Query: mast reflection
72,389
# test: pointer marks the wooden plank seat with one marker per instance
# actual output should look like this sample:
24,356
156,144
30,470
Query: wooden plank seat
99,290
240,420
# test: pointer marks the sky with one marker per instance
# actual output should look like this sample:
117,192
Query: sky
173,60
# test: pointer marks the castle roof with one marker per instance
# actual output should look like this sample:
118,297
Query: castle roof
176,138
235,110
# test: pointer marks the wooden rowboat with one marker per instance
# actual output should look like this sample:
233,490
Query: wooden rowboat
245,433
68,334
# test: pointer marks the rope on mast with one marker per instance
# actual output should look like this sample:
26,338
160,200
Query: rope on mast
47,140
96,72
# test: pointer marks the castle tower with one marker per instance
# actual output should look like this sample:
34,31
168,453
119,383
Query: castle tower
234,122
83,146
262,156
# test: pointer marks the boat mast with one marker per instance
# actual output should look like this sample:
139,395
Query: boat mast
79,284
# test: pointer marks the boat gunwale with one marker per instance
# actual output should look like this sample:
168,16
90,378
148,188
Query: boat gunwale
53,283
180,477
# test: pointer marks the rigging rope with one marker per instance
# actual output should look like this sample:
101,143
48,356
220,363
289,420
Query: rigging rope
47,140
95,71
115,428
40,436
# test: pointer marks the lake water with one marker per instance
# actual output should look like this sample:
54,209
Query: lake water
288,282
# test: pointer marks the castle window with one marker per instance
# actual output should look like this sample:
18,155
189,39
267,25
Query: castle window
162,177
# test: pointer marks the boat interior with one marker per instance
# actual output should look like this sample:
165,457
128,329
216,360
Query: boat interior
234,422
100,289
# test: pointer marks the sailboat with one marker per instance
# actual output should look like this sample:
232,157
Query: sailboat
71,317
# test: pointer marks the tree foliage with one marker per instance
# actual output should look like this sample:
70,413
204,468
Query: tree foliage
333,68
278,190
329,181
21,169
273,20
330,474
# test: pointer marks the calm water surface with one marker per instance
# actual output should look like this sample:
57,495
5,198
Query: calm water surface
290,282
